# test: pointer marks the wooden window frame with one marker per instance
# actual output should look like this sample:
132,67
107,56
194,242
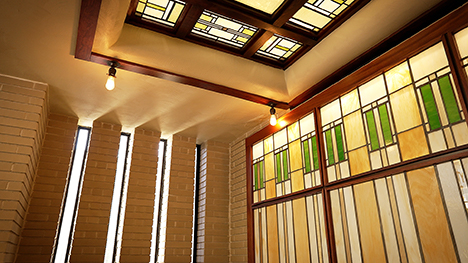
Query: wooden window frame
440,31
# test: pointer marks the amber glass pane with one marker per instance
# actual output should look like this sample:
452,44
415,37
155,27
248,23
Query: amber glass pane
293,131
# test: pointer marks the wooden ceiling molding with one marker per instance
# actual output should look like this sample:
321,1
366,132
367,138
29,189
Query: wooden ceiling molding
89,18
277,23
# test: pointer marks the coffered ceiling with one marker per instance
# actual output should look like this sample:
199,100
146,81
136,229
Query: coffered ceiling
169,84
272,32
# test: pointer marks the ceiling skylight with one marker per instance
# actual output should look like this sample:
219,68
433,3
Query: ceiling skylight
267,6
316,14
272,32
162,11
279,47
223,29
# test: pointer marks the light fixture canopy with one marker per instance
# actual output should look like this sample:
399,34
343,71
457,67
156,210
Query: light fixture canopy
272,114
110,84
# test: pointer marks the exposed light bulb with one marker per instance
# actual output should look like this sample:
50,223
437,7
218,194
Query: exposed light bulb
110,84
272,116
273,120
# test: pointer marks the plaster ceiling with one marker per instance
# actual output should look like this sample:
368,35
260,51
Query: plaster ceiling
37,42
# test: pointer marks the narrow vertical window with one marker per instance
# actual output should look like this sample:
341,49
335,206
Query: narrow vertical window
158,202
71,198
112,249
196,195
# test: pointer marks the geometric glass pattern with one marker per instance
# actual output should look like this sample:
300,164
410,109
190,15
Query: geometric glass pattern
316,14
267,6
462,39
289,226
387,219
407,112
279,47
162,11
287,161
223,29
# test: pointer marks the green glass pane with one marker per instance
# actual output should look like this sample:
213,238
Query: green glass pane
387,132
331,159
285,165
449,99
306,156
372,130
315,153
431,108
279,177
339,142
256,176
261,173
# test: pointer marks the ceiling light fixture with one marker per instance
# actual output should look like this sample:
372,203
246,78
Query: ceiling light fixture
110,84
272,114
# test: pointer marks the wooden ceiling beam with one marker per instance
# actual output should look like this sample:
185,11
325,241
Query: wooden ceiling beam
257,43
249,19
291,7
87,25
182,79
190,20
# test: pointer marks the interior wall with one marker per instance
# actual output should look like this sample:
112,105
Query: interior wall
37,238
23,113
238,203
213,216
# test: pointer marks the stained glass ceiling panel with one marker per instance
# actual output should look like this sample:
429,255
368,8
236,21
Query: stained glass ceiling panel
223,29
316,14
162,11
279,48
267,6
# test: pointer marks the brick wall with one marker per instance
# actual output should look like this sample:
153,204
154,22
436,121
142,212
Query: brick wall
40,227
140,197
238,203
23,113
213,217
96,196
178,238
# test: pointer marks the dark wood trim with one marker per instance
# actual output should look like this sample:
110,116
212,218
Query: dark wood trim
302,51
87,25
162,74
190,19
330,232
321,147
288,197
257,42
290,9
459,74
251,20
132,7
395,41
402,167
